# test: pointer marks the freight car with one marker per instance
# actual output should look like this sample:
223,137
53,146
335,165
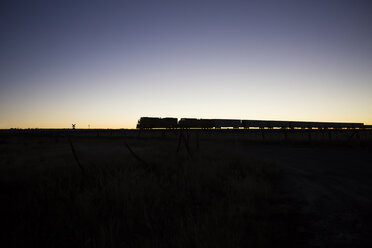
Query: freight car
220,123
208,123
298,124
195,123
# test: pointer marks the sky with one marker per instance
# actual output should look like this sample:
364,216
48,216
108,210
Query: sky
104,64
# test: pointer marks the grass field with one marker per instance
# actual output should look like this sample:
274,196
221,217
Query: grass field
105,188
117,192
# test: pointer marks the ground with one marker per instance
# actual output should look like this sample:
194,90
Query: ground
333,187
93,189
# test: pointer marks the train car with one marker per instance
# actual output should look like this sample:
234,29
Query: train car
155,122
220,123
254,124
357,125
279,124
195,123
189,123
206,123
147,122
247,123
170,122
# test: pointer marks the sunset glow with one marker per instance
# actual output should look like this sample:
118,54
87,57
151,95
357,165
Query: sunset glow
106,64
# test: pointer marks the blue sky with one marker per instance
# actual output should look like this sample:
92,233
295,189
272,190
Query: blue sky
107,63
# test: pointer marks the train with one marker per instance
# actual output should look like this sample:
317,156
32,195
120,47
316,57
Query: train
194,123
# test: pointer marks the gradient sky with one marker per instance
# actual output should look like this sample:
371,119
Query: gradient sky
107,63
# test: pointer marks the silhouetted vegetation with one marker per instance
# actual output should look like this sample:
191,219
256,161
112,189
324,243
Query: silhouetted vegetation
217,198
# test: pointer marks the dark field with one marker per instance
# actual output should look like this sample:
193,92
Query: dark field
210,188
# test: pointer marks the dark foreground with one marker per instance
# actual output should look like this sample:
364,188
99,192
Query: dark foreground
216,191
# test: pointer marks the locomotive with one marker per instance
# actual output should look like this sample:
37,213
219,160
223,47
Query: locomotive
155,122
172,123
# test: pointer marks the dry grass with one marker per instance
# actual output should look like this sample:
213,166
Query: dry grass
217,198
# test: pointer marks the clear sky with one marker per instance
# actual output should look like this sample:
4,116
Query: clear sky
107,63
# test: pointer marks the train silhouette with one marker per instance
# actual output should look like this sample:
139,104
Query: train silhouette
173,123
